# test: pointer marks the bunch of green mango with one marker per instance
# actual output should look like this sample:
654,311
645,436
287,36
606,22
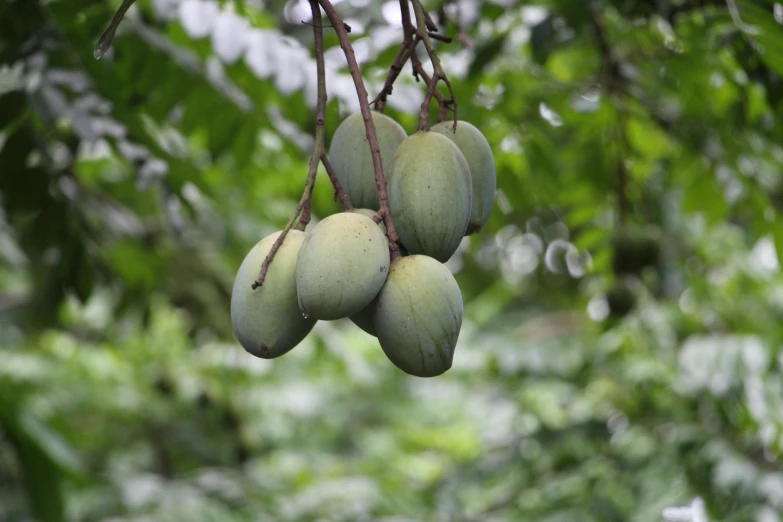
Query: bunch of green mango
441,186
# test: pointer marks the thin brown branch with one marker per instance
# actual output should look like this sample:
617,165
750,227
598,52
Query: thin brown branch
440,37
104,42
407,25
443,19
372,138
437,70
418,69
428,22
443,102
339,192
320,111
394,71
407,48
408,51
308,192
302,210
306,216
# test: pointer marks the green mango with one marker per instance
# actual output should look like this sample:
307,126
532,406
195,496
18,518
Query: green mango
267,321
349,153
364,319
417,316
342,266
370,214
475,147
430,195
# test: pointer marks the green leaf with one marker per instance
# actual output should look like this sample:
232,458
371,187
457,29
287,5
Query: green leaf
43,458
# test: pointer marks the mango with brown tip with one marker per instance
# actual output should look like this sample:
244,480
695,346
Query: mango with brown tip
267,321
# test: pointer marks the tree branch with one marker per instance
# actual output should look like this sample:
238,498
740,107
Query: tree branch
319,148
407,48
422,19
408,51
339,193
372,138
394,71
302,210
104,42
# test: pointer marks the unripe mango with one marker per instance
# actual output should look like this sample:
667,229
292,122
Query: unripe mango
418,315
370,214
350,155
267,321
475,147
342,266
364,319
430,194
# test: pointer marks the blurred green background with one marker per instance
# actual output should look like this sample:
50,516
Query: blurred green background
620,358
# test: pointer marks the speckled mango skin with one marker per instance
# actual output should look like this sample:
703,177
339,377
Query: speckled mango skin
363,318
417,316
341,267
267,321
430,195
370,214
349,153
475,147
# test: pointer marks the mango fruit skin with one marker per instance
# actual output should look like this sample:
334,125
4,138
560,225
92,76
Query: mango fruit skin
430,195
370,214
364,318
341,267
475,147
349,153
418,315
267,321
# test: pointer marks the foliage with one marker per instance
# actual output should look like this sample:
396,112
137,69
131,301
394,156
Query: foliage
132,187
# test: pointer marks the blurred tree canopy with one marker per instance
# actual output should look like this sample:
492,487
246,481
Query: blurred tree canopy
620,358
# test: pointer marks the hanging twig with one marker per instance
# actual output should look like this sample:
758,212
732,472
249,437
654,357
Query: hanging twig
319,148
440,37
302,210
418,69
394,71
437,71
443,19
407,52
339,193
104,42
372,138
428,22
407,47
